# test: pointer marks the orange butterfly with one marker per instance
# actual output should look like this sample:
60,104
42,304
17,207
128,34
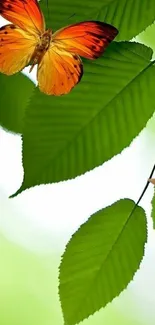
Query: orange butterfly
26,41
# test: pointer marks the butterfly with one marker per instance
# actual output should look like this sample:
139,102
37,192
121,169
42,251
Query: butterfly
57,55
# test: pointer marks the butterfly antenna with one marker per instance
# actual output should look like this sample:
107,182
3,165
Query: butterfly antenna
144,190
48,13
71,15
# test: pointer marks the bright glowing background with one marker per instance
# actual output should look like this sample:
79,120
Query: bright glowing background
42,219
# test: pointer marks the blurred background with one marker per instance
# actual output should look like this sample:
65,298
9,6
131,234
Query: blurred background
36,225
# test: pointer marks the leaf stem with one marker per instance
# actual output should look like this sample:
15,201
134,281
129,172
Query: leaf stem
144,190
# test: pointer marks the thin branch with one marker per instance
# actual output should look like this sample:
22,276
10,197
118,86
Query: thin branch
144,190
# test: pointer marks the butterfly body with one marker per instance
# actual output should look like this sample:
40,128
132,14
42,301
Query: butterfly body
43,45
27,42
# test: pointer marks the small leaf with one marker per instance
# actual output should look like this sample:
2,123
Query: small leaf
66,136
101,259
16,91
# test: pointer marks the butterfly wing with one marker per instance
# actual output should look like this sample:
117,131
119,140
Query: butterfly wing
16,49
88,39
59,71
26,14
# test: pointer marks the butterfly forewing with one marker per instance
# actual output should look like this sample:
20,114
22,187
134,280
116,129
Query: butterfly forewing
88,39
26,14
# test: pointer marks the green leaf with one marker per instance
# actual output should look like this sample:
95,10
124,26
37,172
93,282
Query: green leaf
15,94
69,135
130,16
147,38
153,210
101,259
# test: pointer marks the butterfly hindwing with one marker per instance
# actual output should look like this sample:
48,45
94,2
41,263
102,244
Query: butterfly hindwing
88,39
59,71
26,14
16,48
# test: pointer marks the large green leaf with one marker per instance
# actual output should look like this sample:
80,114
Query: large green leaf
130,16
69,135
15,94
101,259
